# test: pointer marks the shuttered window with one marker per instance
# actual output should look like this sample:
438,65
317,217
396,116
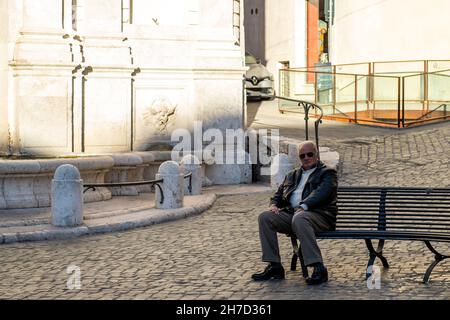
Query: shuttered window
237,21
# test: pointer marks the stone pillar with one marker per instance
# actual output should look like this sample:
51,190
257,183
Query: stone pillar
281,165
67,197
190,163
172,186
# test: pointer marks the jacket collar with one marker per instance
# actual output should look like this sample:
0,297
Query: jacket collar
299,171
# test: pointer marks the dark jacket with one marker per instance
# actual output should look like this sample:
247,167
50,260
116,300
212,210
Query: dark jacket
319,194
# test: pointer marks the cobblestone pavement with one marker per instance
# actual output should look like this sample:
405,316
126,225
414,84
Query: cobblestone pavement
212,256
411,159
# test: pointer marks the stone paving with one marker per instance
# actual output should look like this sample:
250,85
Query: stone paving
205,257
411,159
212,256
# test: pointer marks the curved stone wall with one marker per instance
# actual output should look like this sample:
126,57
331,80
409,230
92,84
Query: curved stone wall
27,183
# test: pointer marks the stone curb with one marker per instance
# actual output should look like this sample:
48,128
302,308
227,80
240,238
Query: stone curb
160,217
137,219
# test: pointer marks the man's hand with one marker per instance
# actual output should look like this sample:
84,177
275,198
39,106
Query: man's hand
299,210
274,209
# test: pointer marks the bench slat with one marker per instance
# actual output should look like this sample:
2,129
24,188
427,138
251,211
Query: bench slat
392,211
343,227
393,189
391,196
433,218
387,235
353,214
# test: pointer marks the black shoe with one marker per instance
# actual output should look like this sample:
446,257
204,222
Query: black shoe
271,271
320,275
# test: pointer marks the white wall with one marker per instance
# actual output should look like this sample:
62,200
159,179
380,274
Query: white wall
3,73
285,34
378,30
179,55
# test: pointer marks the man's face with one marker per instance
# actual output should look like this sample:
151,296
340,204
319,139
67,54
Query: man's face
309,156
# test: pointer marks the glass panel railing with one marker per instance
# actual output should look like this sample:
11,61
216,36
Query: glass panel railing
438,106
414,90
413,97
345,88
363,89
350,96
325,83
385,101
296,84
355,68
397,94
385,89
426,97
439,87
438,65
443,72
398,67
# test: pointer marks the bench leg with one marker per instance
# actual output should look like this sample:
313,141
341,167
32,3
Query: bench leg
373,254
294,254
437,258
297,253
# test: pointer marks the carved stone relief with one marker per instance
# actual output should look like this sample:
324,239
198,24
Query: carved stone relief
159,113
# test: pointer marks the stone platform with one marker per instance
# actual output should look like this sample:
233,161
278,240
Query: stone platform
118,214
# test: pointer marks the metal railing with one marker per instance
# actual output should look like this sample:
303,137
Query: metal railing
93,186
388,67
307,106
377,99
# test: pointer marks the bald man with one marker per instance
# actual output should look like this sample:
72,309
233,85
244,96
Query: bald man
305,203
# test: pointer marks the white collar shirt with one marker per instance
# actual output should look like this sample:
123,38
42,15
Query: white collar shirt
296,196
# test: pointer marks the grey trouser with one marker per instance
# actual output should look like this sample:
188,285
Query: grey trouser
304,225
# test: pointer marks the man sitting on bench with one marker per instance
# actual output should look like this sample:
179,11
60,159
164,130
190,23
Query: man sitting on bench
304,203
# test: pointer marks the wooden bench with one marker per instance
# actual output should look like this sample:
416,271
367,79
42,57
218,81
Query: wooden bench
384,213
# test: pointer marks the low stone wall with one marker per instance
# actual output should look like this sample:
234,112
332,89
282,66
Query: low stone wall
290,148
27,183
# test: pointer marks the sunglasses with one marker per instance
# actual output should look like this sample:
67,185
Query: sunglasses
309,154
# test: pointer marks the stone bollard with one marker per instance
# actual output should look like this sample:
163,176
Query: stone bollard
281,165
190,163
67,197
172,186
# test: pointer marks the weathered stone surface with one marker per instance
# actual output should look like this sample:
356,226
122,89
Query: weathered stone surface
127,168
27,183
172,186
191,164
232,168
67,197
186,263
52,48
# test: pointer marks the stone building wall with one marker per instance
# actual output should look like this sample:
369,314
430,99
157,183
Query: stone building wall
103,76
390,30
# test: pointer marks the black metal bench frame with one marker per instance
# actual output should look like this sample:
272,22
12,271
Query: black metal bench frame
93,186
424,217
